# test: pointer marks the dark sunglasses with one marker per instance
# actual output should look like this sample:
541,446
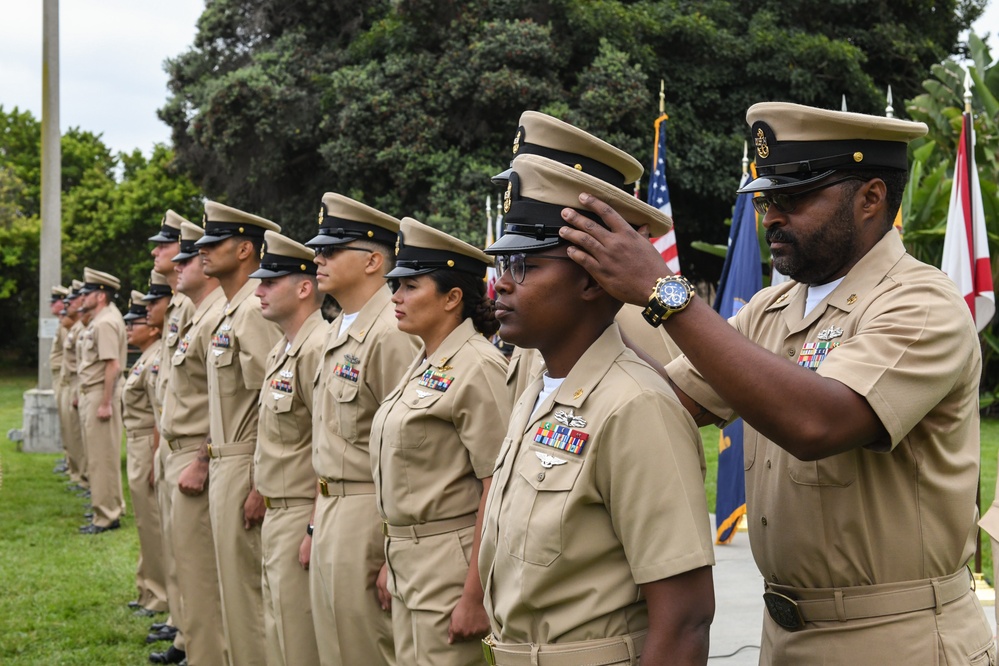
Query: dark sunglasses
785,202
328,250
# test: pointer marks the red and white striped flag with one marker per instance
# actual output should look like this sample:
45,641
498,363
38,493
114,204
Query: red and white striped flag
966,245
659,196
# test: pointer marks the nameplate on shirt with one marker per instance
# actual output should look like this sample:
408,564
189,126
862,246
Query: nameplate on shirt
435,380
561,437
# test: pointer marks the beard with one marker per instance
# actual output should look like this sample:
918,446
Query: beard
814,256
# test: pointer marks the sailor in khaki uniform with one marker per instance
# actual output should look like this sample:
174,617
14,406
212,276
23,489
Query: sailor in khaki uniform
178,311
282,464
230,251
434,442
364,358
861,497
184,430
596,546
69,381
541,134
102,357
56,307
141,439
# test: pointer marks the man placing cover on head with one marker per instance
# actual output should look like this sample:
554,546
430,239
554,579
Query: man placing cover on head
858,382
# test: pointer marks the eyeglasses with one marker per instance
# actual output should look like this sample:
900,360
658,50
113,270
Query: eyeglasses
327,251
785,202
515,264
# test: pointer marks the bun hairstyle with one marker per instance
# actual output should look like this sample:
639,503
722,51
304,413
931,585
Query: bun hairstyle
475,304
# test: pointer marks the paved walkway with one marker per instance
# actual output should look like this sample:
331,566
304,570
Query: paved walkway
735,633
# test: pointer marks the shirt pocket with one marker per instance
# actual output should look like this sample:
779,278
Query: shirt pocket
180,383
282,408
411,419
837,471
537,510
345,408
225,374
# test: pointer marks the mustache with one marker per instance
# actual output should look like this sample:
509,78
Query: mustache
775,235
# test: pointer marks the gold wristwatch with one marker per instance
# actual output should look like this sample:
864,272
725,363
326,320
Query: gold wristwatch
670,295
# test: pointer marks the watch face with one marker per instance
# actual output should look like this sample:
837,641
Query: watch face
672,294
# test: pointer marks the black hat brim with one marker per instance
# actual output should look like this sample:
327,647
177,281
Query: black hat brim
210,240
514,243
183,256
267,274
323,239
160,238
777,183
405,271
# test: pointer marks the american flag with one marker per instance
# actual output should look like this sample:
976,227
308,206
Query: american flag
659,196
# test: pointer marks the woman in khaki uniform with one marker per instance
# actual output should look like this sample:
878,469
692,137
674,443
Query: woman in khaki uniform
141,441
433,444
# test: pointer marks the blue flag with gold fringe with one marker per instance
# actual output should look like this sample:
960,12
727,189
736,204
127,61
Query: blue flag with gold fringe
742,276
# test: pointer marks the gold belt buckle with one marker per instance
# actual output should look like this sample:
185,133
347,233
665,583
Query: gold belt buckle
487,650
324,487
210,451
783,610
267,502
385,529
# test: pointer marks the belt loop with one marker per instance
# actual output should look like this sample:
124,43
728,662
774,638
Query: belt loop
630,644
936,595
416,537
840,607
534,654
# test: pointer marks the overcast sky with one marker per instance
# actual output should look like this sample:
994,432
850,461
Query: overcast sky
111,59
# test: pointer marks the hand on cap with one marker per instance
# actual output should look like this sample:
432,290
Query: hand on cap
619,257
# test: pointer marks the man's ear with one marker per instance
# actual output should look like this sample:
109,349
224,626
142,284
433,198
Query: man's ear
874,199
591,288
375,264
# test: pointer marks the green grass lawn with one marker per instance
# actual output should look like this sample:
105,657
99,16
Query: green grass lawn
63,595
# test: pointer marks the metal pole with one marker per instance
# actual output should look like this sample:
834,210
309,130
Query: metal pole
50,259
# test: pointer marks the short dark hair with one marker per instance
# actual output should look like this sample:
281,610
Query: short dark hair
894,180
475,304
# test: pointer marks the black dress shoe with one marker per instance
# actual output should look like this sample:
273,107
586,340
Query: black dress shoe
89,515
145,612
134,605
157,626
171,656
97,529
165,634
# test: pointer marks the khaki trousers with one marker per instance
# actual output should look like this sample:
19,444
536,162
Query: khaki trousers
290,634
238,556
200,616
959,634
165,504
347,553
150,574
72,437
426,578
102,441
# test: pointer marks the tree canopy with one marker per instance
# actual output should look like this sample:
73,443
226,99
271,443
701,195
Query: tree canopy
411,105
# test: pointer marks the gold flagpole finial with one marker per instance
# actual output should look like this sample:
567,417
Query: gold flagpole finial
662,96
745,158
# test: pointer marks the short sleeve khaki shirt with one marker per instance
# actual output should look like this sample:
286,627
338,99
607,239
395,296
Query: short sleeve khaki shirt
597,492
359,368
283,459
236,360
439,432
185,407
897,333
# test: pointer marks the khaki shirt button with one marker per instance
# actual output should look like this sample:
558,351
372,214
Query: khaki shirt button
790,352
773,577
541,476
768,464
764,521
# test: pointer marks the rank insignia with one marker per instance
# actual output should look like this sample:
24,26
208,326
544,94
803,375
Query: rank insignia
561,438
282,385
287,374
436,380
423,394
813,353
830,333
347,371
762,149
548,461
351,359
570,419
